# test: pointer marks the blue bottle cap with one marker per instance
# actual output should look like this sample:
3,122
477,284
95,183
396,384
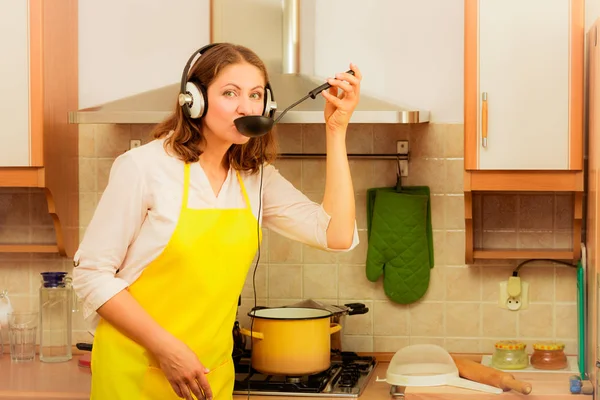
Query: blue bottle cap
53,279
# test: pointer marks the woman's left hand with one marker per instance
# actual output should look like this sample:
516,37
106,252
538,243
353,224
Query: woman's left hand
339,107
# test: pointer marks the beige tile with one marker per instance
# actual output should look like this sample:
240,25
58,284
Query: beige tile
245,307
456,345
463,319
353,283
87,207
358,255
112,140
463,283
541,282
14,234
427,172
43,235
24,303
455,248
284,250
256,281
384,173
571,347
320,281
498,322
437,284
357,343
499,211
82,337
285,281
88,172
454,183
385,137
566,284
428,141
563,240
438,341
14,209
359,138
537,321
390,319
566,321
359,324
439,247
536,211
289,137
389,344
438,211
283,302
563,212
311,255
454,144
86,140
15,277
499,240
313,175
291,170
39,209
490,281
361,172
361,210
142,132
535,240
427,319
104,166
313,138
454,212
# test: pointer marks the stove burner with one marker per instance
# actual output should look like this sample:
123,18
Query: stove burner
346,377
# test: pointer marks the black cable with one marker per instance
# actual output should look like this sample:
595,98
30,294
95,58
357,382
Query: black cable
516,271
257,259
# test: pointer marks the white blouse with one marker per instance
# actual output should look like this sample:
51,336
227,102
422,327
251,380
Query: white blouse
139,208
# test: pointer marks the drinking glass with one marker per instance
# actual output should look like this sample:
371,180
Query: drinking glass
22,332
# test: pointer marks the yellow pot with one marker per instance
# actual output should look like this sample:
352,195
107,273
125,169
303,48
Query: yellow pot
291,341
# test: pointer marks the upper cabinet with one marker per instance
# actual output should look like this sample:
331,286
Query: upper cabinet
38,87
524,84
523,115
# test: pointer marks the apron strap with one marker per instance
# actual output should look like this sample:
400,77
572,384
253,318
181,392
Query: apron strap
246,199
186,185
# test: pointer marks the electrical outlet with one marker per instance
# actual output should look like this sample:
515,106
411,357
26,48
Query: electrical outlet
133,143
512,297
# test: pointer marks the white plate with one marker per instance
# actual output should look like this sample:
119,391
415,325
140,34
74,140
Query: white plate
571,366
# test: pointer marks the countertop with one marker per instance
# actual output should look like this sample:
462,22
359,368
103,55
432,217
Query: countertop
37,380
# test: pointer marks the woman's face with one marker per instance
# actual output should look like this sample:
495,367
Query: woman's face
237,91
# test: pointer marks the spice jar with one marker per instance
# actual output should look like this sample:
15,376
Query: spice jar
549,355
510,354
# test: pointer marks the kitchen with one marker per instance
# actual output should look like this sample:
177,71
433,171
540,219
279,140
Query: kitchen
410,54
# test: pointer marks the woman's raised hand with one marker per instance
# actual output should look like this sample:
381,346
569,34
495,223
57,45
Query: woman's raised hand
340,104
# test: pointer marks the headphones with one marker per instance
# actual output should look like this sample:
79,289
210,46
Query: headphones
194,100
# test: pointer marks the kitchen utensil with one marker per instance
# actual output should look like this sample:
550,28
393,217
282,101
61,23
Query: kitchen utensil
490,376
428,365
291,341
258,125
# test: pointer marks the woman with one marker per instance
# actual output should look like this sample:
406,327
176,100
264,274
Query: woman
166,254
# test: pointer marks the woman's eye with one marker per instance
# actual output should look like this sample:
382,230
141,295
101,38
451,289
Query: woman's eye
229,93
256,96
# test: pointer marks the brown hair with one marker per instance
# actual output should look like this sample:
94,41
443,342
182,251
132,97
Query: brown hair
187,136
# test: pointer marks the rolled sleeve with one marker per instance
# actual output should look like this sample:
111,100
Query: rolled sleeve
116,222
292,214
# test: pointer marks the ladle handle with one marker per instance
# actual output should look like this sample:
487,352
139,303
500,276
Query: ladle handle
313,93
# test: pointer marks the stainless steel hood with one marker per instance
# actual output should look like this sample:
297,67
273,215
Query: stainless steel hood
287,83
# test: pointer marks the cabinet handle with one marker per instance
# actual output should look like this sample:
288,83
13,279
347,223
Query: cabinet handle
484,119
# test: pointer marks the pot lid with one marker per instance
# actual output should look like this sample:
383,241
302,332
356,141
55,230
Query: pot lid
290,313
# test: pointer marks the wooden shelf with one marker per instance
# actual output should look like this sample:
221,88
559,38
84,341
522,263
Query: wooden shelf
29,248
530,181
522,254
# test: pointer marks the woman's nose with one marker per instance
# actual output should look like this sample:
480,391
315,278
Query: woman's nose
244,106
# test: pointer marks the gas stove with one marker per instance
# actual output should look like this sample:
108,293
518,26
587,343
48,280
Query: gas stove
347,376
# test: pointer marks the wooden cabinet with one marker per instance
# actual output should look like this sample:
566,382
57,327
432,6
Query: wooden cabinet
523,106
38,87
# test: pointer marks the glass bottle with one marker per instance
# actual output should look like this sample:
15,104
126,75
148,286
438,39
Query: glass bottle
57,303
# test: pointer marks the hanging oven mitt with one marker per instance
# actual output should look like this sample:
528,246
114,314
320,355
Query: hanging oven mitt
400,241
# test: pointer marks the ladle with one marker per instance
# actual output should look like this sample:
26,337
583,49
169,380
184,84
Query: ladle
258,125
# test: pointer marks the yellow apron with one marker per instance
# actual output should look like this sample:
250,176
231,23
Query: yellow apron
191,289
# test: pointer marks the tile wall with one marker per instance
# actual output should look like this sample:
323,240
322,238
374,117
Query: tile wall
458,311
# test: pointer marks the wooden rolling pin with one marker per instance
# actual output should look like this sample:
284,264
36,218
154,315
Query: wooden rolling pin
490,376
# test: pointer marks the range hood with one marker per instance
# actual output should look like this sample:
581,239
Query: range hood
288,84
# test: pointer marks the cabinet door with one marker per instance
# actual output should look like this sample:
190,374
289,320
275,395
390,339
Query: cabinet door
14,84
524,71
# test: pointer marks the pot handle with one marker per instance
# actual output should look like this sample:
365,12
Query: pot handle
334,327
255,335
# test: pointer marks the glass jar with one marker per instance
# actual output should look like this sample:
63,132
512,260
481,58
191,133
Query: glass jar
549,356
57,302
510,354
